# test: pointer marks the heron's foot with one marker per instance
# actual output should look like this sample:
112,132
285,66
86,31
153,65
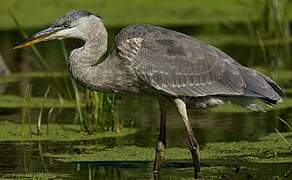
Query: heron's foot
160,149
155,176
194,149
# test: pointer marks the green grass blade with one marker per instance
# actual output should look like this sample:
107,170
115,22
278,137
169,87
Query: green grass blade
40,116
63,46
78,102
284,139
75,88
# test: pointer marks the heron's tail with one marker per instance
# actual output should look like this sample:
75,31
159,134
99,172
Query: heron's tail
261,86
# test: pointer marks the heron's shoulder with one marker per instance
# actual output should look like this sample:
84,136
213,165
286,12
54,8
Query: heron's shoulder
150,32
170,43
154,38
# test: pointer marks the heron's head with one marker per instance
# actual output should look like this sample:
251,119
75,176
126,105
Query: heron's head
75,24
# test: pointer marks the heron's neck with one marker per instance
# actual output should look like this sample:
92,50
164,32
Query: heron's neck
83,61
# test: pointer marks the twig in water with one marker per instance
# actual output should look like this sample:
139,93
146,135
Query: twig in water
284,139
285,122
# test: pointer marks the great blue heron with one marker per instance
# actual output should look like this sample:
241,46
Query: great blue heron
166,64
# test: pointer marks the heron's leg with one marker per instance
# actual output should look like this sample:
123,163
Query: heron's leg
160,147
194,146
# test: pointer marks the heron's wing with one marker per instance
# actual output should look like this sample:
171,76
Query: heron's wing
175,69
189,71
179,65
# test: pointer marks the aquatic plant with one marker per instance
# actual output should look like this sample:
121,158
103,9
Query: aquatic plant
101,113
284,139
272,32
25,114
58,132
40,116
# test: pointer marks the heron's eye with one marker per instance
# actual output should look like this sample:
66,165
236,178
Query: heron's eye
66,24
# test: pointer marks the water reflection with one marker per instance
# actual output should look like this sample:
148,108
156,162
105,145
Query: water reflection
25,160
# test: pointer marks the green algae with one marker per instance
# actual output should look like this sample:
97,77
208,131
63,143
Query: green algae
269,149
209,172
36,176
225,160
55,132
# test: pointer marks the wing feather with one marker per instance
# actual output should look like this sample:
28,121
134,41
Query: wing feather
167,68
179,65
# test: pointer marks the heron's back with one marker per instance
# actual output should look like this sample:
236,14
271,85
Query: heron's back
174,64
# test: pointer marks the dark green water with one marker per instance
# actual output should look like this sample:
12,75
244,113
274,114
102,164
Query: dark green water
26,159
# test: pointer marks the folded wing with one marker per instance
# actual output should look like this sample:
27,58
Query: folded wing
179,65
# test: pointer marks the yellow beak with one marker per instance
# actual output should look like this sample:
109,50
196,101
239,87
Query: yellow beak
42,36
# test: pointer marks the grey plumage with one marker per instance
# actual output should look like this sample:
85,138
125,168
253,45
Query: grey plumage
154,60
147,59
178,65
72,16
